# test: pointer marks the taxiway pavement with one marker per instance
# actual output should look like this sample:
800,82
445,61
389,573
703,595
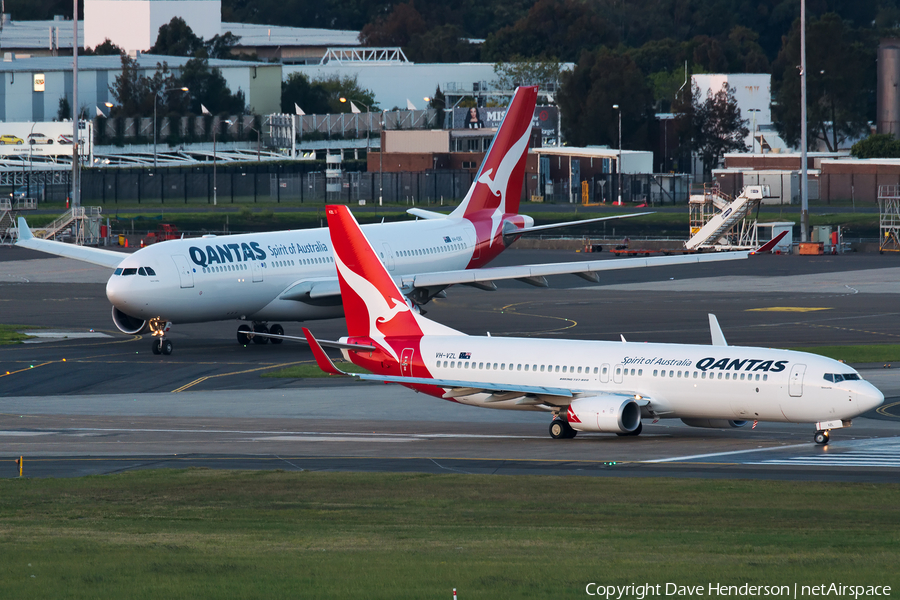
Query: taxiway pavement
104,402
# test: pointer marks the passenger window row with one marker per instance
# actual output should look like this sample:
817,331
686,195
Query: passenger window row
466,364
703,375
434,250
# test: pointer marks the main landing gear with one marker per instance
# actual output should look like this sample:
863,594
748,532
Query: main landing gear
159,329
245,334
561,430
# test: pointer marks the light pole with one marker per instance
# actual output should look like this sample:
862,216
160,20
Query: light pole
380,144
215,173
156,98
753,140
619,159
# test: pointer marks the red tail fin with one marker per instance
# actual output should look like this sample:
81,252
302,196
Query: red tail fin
373,305
498,183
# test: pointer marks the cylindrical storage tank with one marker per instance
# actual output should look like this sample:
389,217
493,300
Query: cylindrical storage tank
888,113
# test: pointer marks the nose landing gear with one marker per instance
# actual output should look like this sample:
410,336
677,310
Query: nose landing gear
159,329
822,437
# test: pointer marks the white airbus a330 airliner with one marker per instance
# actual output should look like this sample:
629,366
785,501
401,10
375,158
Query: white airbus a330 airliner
587,386
260,278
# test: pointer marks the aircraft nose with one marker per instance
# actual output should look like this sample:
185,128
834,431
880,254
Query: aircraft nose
118,291
871,398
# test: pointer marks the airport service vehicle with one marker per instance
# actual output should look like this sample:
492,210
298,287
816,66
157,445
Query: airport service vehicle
587,385
263,278
165,232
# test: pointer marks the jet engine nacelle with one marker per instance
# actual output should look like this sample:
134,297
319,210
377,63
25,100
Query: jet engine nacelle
604,414
713,423
128,324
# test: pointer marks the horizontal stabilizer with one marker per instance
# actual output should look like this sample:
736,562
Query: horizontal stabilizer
324,343
426,214
575,223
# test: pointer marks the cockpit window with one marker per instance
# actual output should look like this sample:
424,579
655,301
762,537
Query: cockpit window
141,271
150,272
839,377
131,271
117,272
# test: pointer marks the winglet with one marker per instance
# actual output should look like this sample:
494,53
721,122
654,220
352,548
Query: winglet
770,245
715,332
24,231
322,359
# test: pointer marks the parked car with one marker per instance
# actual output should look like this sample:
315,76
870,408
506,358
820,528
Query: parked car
39,138
11,139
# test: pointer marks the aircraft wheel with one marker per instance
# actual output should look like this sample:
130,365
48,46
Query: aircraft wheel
561,430
259,339
166,347
242,335
277,330
557,429
821,437
157,346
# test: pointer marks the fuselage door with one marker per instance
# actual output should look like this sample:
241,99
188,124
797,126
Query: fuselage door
617,374
604,373
406,359
184,271
387,257
256,270
796,385
473,243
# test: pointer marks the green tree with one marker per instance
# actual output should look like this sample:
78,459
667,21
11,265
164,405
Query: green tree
601,79
297,89
879,145
107,48
840,82
552,29
336,87
521,71
65,109
717,126
176,38
208,87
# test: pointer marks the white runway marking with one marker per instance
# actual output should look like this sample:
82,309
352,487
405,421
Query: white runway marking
711,455
285,435
331,438
24,433
856,458
58,336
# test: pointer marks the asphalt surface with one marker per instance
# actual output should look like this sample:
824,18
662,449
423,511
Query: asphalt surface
104,403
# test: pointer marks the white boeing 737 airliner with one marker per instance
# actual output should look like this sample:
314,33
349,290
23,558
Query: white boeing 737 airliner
260,278
587,386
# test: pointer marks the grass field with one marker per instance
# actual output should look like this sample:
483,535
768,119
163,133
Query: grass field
9,334
223,534
872,353
305,371
263,217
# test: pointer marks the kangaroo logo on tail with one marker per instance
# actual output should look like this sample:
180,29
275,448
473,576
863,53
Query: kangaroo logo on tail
373,305
498,183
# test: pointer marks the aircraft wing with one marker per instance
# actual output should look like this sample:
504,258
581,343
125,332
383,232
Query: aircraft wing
324,287
96,256
457,388
535,274
537,228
